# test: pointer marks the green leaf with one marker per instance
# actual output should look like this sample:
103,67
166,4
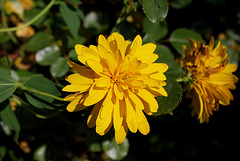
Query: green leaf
41,84
7,85
4,38
9,118
40,153
115,151
47,55
3,152
73,55
155,10
39,41
179,37
153,31
96,22
71,18
168,104
59,68
76,1
70,42
165,56
232,53
174,69
163,53
179,4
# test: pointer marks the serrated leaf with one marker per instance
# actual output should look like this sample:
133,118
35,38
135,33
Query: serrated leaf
59,68
115,151
41,84
155,10
7,85
179,37
39,41
168,104
71,18
48,55
9,118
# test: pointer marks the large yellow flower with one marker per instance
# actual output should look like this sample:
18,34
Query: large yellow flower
121,79
211,77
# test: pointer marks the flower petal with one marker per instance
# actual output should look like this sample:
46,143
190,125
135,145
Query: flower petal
91,122
121,133
95,97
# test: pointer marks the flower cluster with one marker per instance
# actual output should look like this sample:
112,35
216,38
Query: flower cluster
121,80
211,77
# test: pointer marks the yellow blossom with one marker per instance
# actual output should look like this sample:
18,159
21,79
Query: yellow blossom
211,77
121,80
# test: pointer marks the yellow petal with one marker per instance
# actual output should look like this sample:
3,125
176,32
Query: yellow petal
95,97
120,134
76,88
78,79
160,91
158,76
120,43
103,124
70,97
148,98
95,66
91,122
136,100
117,117
132,124
143,127
155,68
107,106
118,91
103,82
230,68
82,70
76,104
222,78
102,41
85,53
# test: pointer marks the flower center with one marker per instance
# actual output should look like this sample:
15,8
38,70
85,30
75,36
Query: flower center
124,79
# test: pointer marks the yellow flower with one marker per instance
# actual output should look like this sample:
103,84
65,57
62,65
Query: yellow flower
211,77
121,79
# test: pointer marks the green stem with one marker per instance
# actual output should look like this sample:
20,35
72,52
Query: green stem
32,20
38,92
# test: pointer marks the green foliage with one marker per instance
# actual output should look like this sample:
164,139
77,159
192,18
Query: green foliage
180,37
168,104
9,118
47,55
153,31
41,84
115,151
7,85
33,68
155,10
59,68
71,18
39,41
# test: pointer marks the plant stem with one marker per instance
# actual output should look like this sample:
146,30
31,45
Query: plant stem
38,92
32,20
